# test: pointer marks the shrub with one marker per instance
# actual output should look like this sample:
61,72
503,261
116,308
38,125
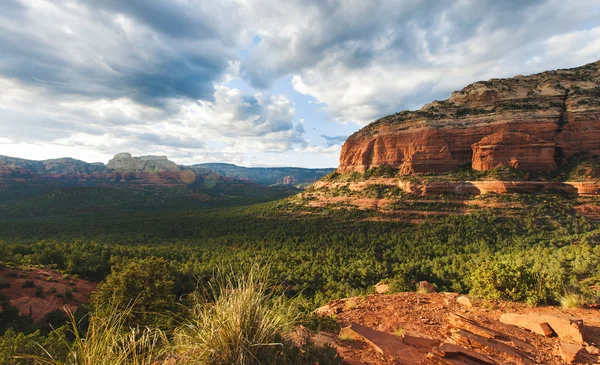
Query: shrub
318,323
539,281
28,284
501,280
146,282
39,292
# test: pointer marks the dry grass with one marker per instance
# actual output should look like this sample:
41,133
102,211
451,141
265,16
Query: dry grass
243,320
109,341
572,301
399,332
350,304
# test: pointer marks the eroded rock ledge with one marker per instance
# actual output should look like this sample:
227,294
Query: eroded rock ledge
526,122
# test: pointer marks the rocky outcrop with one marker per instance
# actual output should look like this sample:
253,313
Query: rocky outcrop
526,122
518,150
418,328
124,162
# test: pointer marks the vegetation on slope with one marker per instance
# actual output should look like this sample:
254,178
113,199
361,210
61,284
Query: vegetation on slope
552,252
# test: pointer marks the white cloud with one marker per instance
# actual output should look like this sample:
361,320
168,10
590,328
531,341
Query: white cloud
368,59
233,123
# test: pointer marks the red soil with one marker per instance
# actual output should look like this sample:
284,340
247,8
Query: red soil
54,285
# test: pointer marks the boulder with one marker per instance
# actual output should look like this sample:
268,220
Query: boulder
464,301
382,288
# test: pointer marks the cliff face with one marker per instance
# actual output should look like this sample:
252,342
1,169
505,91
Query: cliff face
527,122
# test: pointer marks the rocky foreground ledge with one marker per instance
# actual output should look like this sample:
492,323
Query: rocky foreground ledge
449,329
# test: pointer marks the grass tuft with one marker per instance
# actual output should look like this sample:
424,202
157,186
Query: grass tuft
243,322
399,332
350,304
572,301
108,341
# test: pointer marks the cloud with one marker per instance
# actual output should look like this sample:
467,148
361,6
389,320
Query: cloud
209,79
233,123
145,51
333,140
368,59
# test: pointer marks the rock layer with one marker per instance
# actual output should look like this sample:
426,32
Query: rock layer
527,122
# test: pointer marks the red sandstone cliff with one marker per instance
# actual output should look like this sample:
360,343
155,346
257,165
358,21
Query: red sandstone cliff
527,122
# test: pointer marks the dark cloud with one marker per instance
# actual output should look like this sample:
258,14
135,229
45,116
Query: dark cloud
162,53
333,140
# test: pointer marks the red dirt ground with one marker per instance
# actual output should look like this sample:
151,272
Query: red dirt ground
54,285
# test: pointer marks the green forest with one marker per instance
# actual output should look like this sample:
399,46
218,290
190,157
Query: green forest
181,247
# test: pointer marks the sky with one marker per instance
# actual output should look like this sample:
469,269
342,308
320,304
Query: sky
256,82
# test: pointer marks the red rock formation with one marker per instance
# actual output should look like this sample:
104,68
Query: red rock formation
528,122
518,150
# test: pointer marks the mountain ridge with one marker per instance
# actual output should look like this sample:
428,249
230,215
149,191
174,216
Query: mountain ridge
154,170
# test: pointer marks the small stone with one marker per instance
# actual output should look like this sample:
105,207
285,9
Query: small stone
464,301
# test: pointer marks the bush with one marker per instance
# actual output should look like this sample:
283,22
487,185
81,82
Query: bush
19,349
39,292
147,285
28,284
534,282
501,280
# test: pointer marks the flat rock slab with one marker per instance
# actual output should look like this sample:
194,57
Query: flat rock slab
488,345
529,322
412,352
569,352
567,328
448,353
468,324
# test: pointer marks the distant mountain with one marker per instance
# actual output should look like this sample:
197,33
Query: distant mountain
150,170
267,175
